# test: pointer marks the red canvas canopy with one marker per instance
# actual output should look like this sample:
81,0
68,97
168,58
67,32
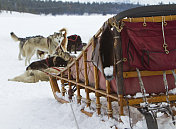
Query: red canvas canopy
142,48
143,45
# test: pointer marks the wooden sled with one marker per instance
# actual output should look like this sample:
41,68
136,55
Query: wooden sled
131,74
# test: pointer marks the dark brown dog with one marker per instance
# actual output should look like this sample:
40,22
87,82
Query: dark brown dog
74,43
54,61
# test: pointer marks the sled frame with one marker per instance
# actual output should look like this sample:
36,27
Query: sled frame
101,93
111,97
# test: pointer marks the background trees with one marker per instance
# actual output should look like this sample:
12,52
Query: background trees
59,7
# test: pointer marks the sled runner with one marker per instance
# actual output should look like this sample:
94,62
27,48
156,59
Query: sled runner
134,51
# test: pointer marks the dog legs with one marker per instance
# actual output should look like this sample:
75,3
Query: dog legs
19,56
27,61
75,47
29,53
20,51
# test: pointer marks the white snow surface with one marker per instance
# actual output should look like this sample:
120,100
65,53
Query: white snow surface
173,91
32,106
108,71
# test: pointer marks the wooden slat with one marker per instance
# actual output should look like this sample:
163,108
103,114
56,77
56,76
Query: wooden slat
109,104
96,80
151,19
144,73
133,101
153,99
85,68
120,101
54,85
90,114
77,81
114,97
60,100
88,101
63,86
69,83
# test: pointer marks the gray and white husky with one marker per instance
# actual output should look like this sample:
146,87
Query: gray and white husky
29,45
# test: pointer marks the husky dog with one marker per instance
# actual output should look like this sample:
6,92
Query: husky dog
74,43
28,46
64,55
54,61
22,41
32,76
63,44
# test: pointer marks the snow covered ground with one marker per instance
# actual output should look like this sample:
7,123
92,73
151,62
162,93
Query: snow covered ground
32,106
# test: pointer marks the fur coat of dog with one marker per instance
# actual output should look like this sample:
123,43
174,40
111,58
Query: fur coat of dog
33,76
29,45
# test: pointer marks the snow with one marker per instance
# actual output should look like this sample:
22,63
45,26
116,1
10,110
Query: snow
108,71
32,106
139,95
173,91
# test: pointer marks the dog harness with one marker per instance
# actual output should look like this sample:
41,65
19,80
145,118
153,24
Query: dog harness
69,38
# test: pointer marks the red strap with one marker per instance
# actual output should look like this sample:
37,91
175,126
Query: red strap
76,36
57,68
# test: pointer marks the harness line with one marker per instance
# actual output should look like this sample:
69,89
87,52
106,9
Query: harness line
164,44
74,115
167,96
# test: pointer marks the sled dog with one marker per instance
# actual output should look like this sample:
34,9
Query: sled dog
29,45
74,43
22,41
32,76
64,55
54,61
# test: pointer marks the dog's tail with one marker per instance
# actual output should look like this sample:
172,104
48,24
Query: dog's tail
64,30
64,41
14,37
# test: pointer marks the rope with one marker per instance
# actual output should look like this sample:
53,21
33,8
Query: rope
164,44
74,115
143,91
163,31
173,72
167,96
166,86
